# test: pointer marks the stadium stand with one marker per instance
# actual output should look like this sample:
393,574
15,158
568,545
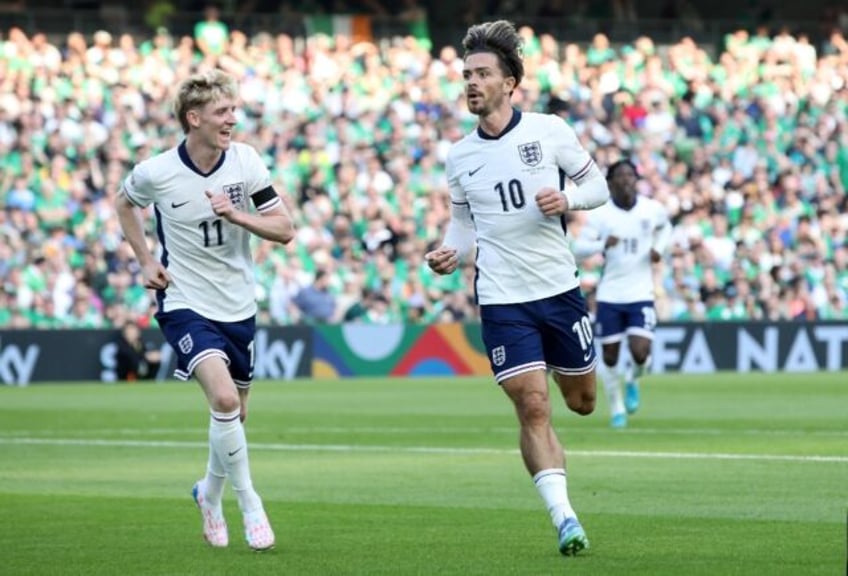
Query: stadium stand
745,143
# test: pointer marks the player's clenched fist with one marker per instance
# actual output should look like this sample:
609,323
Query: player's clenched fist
221,204
443,260
155,276
551,202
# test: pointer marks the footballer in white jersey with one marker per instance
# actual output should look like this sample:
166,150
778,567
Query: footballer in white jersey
196,244
507,200
632,232
640,230
201,193
508,204
522,254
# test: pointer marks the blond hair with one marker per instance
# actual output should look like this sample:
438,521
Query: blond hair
200,89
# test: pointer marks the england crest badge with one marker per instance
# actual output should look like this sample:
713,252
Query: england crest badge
236,193
530,153
498,356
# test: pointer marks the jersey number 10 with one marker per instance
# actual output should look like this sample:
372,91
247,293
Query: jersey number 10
511,194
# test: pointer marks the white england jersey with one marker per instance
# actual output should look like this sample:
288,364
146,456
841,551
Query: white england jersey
627,275
208,258
522,255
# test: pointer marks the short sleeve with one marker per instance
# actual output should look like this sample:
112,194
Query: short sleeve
137,186
257,175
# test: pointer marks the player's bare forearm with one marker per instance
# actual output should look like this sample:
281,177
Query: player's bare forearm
155,275
129,217
275,225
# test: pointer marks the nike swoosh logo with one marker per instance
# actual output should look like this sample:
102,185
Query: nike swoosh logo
175,205
235,451
587,355
473,172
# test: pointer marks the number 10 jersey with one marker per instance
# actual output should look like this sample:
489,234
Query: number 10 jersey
522,255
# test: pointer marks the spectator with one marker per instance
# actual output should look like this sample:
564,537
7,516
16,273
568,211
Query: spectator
356,134
211,35
315,302
284,290
135,359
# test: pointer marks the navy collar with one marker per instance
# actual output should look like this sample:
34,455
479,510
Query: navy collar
186,159
513,122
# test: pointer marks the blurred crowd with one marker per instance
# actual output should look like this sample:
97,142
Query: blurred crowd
747,147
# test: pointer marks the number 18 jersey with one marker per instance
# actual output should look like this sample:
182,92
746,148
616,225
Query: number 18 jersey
627,275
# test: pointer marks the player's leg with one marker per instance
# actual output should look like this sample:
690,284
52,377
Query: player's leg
638,357
193,339
207,493
229,441
239,349
540,448
579,391
543,455
611,380
641,321
610,332
640,353
570,352
516,356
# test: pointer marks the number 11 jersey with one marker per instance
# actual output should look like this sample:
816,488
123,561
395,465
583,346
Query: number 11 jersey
208,259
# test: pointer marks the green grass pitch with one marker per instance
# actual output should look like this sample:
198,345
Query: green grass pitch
717,475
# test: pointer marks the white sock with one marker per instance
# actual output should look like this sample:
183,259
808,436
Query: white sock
553,488
625,365
611,380
216,475
227,438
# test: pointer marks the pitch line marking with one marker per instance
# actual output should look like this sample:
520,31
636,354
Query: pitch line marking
419,450
389,430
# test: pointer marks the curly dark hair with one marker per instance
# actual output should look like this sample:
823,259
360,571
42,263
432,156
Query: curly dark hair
501,39
613,168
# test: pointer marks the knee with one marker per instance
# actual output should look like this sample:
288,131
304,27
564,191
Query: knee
583,404
225,401
579,392
534,408
640,354
610,358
